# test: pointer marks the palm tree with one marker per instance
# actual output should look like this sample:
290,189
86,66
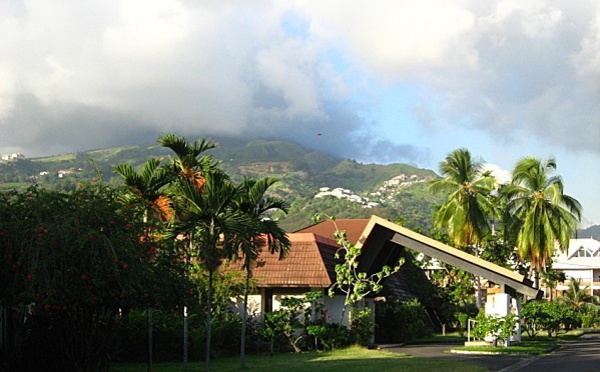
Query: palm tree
148,187
579,298
211,224
466,211
541,215
190,162
189,165
263,232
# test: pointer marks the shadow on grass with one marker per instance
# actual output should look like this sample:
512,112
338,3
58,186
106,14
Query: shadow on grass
353,359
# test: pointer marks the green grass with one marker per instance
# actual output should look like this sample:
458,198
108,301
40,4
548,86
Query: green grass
448,338
353,359
51,159
14,185
525,347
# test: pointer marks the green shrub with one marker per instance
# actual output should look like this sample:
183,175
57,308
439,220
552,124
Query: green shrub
362,325
400,322
331,335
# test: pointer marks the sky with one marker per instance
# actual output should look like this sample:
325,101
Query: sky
375,81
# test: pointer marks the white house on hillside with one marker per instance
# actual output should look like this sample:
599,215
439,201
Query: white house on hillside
581,261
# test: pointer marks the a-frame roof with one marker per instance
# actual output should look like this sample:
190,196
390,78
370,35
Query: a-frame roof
381,238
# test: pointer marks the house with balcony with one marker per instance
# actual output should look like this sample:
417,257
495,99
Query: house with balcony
581,261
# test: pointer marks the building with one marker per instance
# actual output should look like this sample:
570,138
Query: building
581,261
310,264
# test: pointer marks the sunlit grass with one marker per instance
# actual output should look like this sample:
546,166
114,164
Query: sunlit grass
354,359
525,347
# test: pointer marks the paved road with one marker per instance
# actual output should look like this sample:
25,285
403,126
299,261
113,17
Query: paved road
582,355
490,362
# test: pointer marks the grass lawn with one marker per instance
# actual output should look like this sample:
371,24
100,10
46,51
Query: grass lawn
14,185
347,360
525,347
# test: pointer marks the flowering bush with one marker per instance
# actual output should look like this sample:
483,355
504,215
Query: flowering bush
74,261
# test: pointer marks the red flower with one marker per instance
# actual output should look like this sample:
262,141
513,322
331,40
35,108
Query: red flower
84,277
125,266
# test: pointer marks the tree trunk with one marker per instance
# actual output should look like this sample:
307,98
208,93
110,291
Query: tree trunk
208,318
185,339
150,310
244,321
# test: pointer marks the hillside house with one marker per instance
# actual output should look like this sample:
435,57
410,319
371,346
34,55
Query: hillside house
580,261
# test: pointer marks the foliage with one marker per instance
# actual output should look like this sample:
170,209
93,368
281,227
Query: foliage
500,327
551,317
349,280
579,299
466,211
262,232
539,215
362,325
288,320
167,335
79,259
468,207
400,321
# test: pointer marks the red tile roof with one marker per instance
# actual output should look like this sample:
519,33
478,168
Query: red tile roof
353,227
310,262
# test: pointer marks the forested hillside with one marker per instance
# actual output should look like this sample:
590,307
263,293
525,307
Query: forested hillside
311,181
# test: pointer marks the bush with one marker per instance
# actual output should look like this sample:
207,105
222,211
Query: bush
548,316
363,325
400,322
331,335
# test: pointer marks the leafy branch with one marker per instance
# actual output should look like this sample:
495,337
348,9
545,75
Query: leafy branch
355,284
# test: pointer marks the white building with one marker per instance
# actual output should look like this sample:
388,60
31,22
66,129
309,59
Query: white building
581,261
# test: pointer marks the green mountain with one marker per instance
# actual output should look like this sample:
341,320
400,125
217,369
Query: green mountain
311,181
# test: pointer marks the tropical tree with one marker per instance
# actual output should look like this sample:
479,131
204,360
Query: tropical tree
147,189
262,232
188,165
466,213
540,216
190,162
211,223
579,298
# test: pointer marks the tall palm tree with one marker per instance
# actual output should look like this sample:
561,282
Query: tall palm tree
467,210
190,161
541,215
189,165
148,187
211,223
262,232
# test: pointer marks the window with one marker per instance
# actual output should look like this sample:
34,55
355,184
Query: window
582,252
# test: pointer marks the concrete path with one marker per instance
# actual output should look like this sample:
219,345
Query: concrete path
582,355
